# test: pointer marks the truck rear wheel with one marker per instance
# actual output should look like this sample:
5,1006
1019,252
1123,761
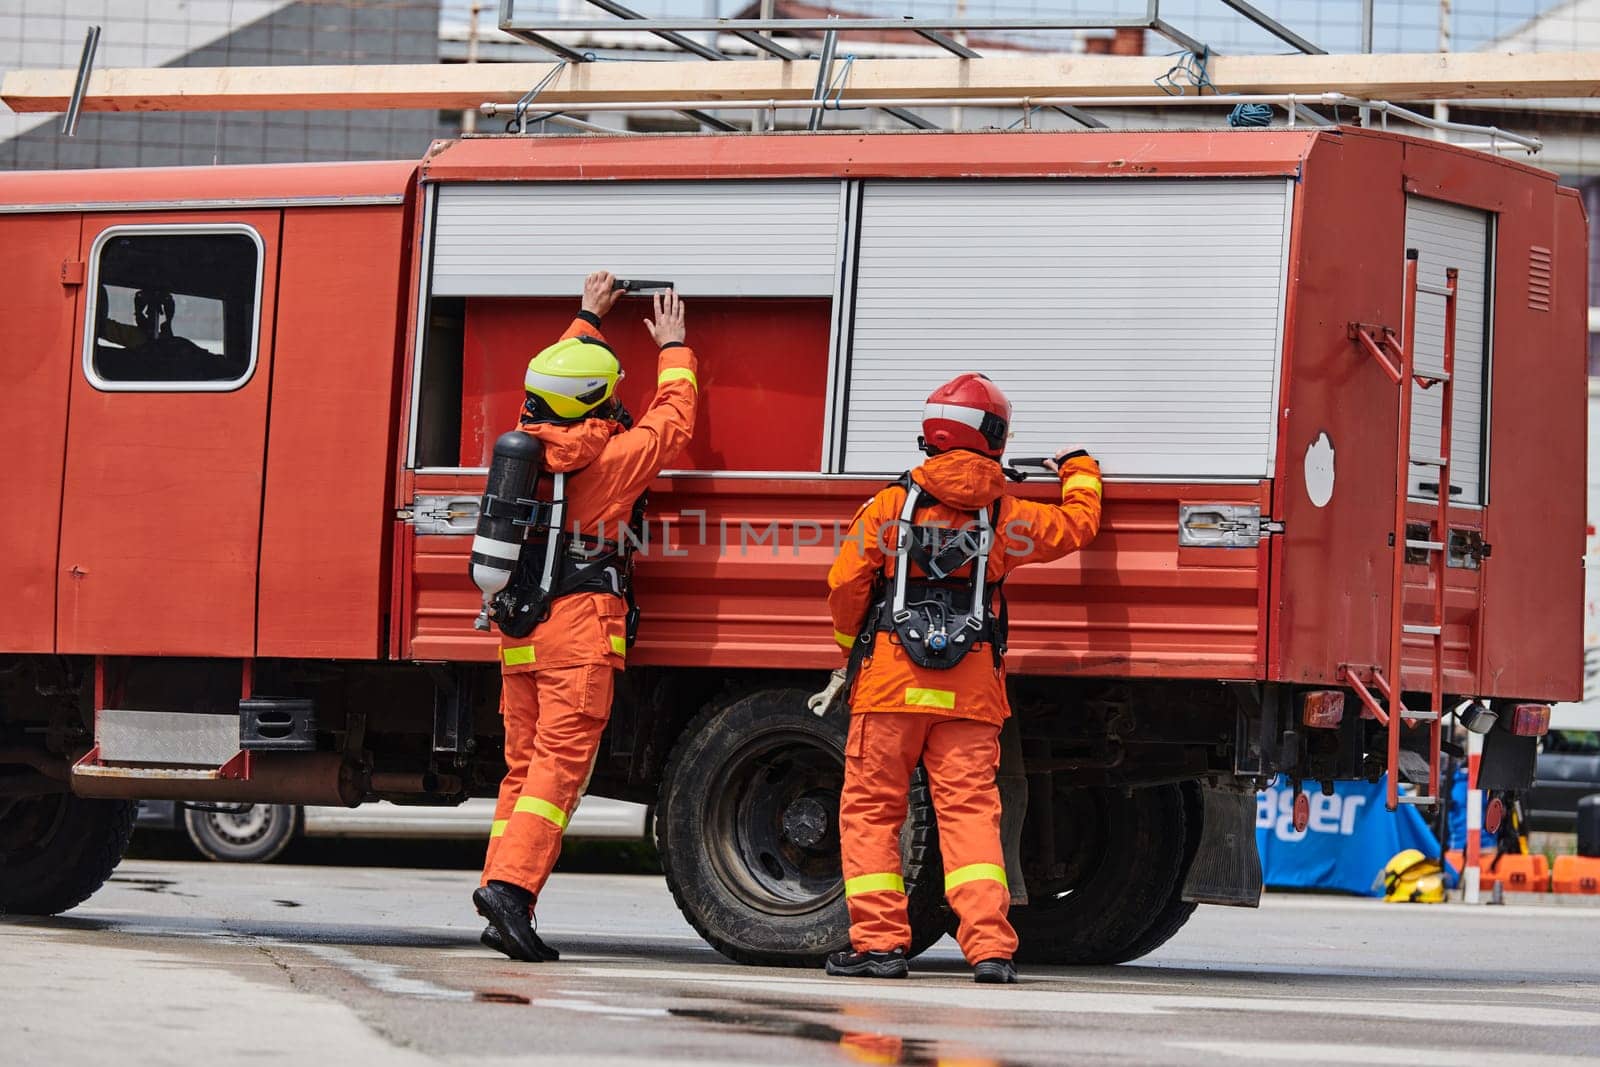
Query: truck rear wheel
1119,897
57,850
748,832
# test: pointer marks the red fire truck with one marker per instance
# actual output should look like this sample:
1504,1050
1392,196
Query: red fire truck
1335,377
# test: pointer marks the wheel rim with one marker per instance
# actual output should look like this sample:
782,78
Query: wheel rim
241,829
773,824
29,826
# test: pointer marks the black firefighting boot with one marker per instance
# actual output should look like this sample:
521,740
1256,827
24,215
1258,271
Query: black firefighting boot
490,938
852,964
506,907
995,972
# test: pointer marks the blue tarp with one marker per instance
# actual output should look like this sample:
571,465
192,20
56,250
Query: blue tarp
1458,816
1346,843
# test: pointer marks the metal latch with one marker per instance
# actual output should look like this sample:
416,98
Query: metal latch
1222,526
1468,549
442,514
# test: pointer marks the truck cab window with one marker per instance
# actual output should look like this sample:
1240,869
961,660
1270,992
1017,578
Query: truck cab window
175,309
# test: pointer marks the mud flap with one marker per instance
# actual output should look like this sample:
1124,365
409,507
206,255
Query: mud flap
1013,785
1227,868
1508,760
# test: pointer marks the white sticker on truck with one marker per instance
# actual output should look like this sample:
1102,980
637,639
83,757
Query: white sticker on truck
1319,471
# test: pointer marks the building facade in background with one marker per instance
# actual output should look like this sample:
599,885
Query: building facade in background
216,33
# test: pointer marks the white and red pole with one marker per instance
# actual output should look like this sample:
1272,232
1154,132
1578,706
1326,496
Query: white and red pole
1469,877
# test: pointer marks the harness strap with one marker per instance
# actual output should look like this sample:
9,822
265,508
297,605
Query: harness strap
571,563
935,628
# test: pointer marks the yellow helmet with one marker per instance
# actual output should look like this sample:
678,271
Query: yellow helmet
1412,878
571,378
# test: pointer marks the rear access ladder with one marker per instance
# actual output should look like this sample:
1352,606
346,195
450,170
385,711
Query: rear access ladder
1397,356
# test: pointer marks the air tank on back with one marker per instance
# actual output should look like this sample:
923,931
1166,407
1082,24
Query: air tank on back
499,539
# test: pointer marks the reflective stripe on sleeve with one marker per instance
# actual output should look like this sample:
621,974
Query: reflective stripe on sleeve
679,374
544,809
1081,481
498,828
845,640
517,656
931,698
619,645
975,872
874,883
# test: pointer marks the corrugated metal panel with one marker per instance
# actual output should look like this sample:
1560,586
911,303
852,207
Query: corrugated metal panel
711,238
1449,236
1138,318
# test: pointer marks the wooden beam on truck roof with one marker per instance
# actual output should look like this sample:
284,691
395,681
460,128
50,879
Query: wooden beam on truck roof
1454,75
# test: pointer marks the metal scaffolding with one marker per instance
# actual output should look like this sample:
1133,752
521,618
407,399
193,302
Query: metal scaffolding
946,33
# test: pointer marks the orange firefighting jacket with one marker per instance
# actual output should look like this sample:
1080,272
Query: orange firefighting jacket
614,466
1025,532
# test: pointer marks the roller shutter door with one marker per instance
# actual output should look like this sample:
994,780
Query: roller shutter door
1139,318
711,238
1449,236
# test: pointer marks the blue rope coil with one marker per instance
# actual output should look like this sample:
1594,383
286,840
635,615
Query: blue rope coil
1250,115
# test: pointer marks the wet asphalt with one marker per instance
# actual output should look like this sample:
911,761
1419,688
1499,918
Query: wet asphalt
179,962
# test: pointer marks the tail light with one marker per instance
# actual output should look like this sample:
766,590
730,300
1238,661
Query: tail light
1530,720
1323,709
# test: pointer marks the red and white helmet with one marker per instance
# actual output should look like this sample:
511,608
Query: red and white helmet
969,411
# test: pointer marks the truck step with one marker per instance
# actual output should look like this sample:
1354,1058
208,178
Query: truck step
1430,631
1426,546
1419,716
1430,461
166,738
1421,801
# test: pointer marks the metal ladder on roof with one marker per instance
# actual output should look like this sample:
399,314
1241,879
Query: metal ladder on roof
1397,356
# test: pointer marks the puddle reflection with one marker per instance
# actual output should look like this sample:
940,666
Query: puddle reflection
855,1046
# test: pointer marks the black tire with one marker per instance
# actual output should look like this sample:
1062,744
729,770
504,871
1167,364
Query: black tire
748,832
1125,855
57,850
1177,911
257,834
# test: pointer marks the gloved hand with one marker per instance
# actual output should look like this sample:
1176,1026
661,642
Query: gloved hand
1071,452
832,693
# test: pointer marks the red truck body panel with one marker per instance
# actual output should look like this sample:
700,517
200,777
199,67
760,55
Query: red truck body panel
300,479
168,495
161,509
776,360
211,188
334,398
36,372
1534,607
1128,606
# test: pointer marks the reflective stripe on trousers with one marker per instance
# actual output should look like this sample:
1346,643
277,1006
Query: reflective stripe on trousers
553,721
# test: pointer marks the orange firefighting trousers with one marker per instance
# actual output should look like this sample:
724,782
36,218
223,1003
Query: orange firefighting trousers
553,721
961,756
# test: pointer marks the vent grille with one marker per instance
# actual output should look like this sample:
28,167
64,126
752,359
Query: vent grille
1539,278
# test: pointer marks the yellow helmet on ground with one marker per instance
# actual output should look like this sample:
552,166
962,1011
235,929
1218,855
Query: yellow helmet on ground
1412,878
571,378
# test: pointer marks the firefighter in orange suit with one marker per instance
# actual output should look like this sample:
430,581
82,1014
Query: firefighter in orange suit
556,684
915,598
